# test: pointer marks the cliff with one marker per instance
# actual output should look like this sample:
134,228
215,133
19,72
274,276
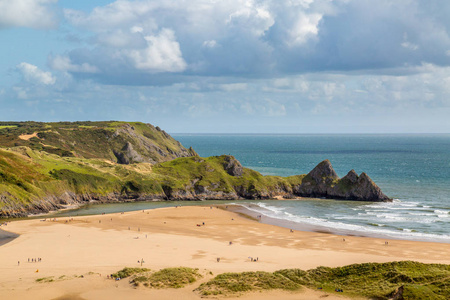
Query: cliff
55,164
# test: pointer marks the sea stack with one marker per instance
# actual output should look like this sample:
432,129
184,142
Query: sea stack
323,182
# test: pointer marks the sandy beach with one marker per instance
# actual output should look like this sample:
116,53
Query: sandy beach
76,254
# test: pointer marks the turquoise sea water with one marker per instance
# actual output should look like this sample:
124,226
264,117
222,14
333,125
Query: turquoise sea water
412,169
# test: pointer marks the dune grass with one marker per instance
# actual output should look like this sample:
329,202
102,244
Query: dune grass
410,280
234,283
127,272
164,278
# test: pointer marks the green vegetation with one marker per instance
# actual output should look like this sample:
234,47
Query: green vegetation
165,278
209,174
27,176
411,280
7,126
232,283
45,279
94,140
169,278
127,272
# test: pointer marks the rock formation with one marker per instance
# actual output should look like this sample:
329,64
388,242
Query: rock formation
233,166
323,181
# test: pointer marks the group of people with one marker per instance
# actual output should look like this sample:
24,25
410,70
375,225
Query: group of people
32,260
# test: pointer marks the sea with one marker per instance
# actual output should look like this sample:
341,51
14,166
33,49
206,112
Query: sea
412,169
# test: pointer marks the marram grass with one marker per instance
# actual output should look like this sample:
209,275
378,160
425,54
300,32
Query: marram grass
372,280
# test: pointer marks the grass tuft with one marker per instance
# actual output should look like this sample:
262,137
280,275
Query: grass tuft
127,272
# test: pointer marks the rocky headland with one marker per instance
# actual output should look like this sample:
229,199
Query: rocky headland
47,166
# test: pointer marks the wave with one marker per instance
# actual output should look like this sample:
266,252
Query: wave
367,226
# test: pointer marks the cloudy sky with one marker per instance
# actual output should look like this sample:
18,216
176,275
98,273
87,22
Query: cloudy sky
249,66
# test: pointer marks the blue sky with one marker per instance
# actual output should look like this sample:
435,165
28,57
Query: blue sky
244,66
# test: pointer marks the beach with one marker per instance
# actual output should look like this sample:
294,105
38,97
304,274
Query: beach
74,255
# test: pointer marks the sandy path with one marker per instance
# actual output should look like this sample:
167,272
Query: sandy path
26,137
94,246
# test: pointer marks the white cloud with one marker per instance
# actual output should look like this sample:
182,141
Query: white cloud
251,15
136,29
162,54
305,28
33,74
63,63
37,14
210,44
140,35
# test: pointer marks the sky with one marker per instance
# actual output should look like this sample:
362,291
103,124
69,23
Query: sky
229,66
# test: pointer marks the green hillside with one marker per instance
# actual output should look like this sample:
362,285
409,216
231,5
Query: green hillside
34,181
121,142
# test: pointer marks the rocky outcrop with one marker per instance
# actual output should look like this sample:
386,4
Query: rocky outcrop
232,166
323,181
318,182
138,147
128,155
354,187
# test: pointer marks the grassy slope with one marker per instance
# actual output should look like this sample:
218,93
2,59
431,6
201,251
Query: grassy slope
27,175
91,139
372,280
209,172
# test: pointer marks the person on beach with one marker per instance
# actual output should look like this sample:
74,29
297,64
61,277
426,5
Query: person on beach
18,263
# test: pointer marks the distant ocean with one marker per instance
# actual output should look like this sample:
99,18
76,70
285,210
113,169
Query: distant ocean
412,169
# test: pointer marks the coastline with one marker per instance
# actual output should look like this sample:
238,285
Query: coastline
244,208
96,245
258,213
